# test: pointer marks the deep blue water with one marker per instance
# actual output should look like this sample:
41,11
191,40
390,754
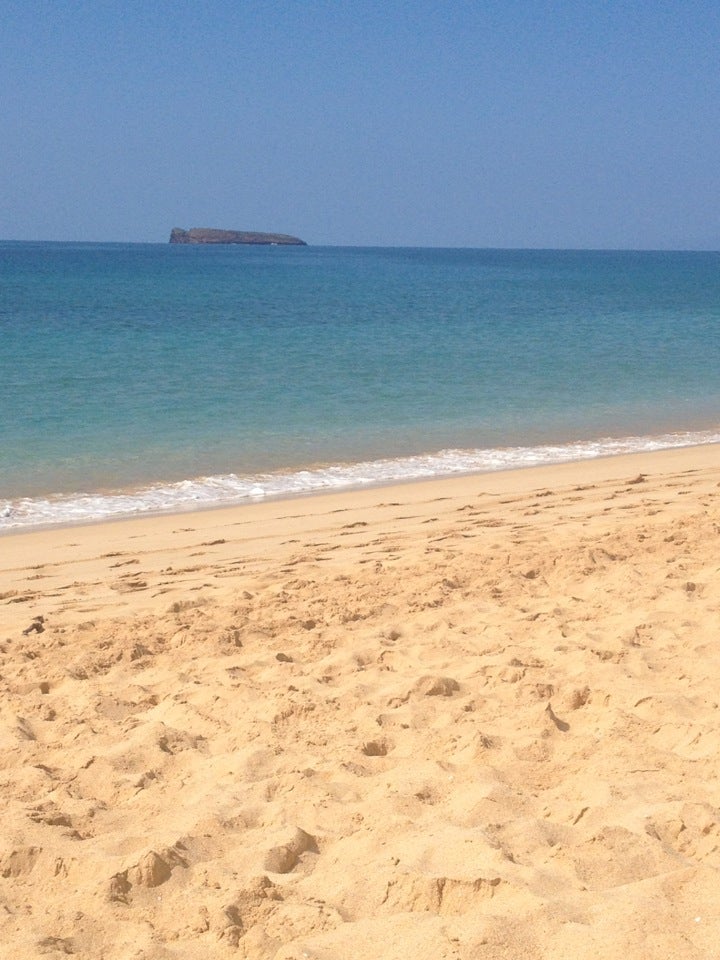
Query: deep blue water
130,372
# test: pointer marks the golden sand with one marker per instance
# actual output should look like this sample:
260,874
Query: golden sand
472,718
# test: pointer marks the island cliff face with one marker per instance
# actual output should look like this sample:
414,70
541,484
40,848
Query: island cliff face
206,235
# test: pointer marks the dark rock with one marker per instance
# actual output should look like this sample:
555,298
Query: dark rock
207,235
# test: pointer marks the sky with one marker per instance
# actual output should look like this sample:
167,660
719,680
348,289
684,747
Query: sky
493,123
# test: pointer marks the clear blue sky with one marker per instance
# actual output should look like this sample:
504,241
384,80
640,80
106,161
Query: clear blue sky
504,123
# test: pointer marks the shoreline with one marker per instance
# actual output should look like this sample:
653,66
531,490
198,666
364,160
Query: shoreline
223,491
90,542
493,695
495,478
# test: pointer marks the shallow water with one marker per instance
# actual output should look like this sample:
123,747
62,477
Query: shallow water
142,377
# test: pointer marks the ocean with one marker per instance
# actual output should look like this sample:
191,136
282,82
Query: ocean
138,378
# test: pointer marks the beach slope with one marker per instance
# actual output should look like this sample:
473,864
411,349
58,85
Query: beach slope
469,718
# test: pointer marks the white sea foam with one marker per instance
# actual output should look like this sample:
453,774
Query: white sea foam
232,489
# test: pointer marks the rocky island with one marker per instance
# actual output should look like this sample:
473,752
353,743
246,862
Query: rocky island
207,235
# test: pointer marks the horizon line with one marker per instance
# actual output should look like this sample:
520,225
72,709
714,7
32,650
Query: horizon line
394,246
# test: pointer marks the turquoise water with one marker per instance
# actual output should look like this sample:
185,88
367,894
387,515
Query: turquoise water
141,377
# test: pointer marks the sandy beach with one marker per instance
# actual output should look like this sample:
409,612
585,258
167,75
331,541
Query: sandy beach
471,718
